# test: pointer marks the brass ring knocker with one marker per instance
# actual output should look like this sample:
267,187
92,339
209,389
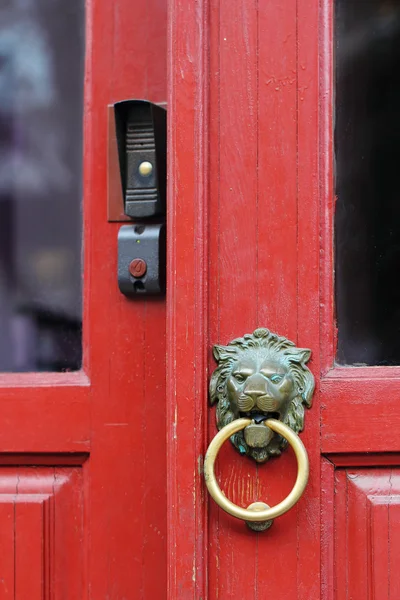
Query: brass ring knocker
257,512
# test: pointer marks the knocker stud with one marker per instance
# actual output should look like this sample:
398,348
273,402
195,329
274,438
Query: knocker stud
260,386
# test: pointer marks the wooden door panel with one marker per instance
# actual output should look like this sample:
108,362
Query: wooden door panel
7,554
367,533
361,528
42,532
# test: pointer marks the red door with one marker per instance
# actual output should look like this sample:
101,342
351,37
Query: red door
96,502
283,134
82,465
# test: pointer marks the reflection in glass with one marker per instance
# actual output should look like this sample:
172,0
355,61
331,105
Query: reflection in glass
367,148
41,109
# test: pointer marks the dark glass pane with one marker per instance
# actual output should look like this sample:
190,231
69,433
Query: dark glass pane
367,147
41,111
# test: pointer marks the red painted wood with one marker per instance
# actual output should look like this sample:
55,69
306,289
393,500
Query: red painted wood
84,492
233,266
45,419
262,230
41,512
256,182
29,555
369,420
104,428
325,142
328,509
364,460
367,533
125,340
309,527
7,551
187,327
363,373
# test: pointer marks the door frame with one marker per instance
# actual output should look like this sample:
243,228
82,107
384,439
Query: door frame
187,297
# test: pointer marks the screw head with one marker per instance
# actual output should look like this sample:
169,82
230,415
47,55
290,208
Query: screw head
138,267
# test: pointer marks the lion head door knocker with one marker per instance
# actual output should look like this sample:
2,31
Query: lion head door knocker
261,387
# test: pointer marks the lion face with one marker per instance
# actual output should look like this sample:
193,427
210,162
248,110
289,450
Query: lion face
261,376
260,385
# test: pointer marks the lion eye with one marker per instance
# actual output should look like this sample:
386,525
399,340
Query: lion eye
239,377
276,378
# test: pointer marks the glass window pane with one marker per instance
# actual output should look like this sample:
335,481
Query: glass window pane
41,113
367,151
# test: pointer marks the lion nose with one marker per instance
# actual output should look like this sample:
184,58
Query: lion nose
255,393
255,387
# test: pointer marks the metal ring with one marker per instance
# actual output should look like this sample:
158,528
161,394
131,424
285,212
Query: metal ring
273,511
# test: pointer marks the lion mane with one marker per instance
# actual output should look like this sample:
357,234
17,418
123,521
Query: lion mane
278,348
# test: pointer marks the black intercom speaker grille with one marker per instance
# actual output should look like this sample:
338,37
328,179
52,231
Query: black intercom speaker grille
141,129
140,136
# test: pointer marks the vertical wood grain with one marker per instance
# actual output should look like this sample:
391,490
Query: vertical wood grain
187,299
233,263
326,186
270,263
328,511
42,531
258,240
309,527
366,533
256,265
277,251
7,550
124,339
29,549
